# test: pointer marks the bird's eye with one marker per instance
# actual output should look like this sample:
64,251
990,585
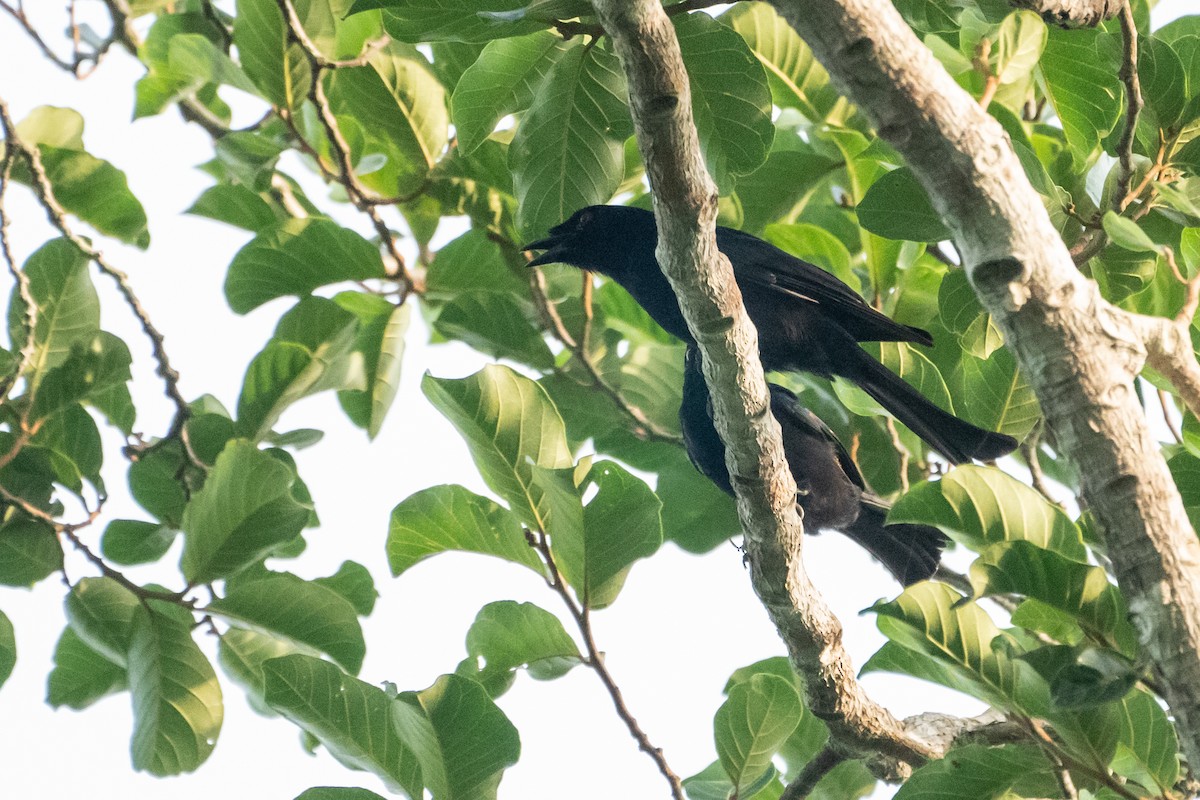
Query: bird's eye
585,219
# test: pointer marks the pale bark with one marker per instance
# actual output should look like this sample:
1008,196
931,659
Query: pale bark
685,207
1079,353
1072,13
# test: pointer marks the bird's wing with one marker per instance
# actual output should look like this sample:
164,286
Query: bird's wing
759,263
786,407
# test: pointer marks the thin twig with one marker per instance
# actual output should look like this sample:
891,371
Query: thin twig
362,199
643,426
1133,106
29,318
58,218
820,766
901,451
1068,763
991,81
79,58
1037,478
595,661
1164,401
68,531
1187,311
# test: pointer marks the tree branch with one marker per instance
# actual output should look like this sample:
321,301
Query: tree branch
595,661
58,218
1072,13
685,202
1079,353
1133,106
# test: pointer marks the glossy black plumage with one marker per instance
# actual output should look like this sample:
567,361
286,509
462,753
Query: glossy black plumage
807,319
829,486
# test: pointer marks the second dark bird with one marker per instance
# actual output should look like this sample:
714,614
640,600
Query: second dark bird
829,486
806,318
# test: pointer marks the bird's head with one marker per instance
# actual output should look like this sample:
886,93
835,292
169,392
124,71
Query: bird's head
604,239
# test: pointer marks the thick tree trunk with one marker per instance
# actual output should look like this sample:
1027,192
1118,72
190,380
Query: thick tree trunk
1078,352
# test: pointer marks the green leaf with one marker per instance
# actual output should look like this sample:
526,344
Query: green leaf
295,258
80,675
72,445
102,612
382,327
337,793
796,79
352,719
401,107
88,187
1019,45
569,150
461,738
353,582
1122,273
278,67
449,517
309,353
29,552
764,198
934,620
301,611
982,506
68,308
1037,616
517,440
696,515
1078,589
1147,750
502,80
897,207
130,541
242,653
731,101
1080,71
494,324
92,368
979,772
621,524
154,483
1128,234
473,262
1163,80
237,205
994,394
244,511
453,20
507,635
752,724
177,708
8,648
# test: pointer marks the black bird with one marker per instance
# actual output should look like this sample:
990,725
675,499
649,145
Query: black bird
806,318
829,486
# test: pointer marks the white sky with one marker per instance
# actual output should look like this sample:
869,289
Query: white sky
681,626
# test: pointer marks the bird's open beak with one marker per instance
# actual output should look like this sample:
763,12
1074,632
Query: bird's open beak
553,247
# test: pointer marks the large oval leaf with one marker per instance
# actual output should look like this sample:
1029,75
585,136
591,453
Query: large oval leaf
752,724
177,708
569,150
731,101
352,719
245,509
301,611
517,440
982,506
445,518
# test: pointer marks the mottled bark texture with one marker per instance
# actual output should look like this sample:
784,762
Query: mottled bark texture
1078,352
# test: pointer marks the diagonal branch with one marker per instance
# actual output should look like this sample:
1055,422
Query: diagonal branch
58,218
685,207
1079,353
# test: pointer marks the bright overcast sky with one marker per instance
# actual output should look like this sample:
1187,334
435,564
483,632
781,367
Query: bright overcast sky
681,626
